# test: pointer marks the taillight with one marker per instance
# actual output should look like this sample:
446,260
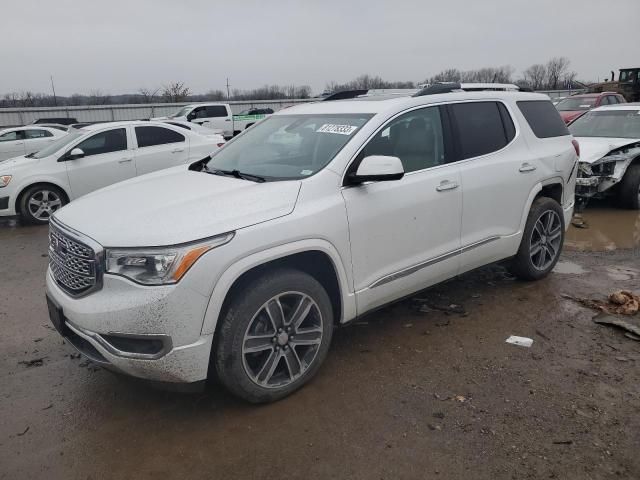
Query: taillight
576,145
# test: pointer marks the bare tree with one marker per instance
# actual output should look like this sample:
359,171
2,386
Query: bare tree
98,97
557,69
535,76
175,92
148,95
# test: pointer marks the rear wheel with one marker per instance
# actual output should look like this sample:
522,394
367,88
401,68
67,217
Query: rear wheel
541,242
39,203
629,191
274,336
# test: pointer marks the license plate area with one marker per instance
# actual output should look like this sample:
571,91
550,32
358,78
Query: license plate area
55,315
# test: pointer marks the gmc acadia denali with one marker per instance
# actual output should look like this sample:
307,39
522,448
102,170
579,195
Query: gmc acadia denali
240,265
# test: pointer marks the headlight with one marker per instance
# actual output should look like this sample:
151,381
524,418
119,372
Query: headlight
161,265
4,180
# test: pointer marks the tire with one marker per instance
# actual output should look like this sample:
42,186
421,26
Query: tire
250,340
542,237
39,202
629,190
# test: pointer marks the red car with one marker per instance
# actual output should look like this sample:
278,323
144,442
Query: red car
574,106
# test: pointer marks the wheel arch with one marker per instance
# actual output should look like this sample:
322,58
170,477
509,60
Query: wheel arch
552,188
32,183
315,257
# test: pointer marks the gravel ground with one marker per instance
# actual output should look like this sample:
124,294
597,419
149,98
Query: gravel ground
404,393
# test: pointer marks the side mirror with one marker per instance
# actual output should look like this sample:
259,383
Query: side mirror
378,168
191,116
75,153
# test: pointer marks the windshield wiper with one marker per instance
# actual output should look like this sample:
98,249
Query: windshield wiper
236,174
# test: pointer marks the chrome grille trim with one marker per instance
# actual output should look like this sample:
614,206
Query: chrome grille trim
76,261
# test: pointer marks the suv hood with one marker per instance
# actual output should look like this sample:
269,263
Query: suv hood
176,206
594,148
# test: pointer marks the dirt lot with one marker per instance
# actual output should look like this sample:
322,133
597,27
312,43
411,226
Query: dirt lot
404,393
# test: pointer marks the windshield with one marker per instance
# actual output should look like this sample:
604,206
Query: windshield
180,113
612,123
582,103
58,144
287,147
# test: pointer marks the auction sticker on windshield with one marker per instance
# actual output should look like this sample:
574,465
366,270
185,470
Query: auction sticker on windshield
339,129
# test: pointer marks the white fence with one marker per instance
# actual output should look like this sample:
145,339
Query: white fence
108,113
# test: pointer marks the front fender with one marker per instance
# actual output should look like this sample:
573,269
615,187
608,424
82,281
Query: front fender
235,271
27,182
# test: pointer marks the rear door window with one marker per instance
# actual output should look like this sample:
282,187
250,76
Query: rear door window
480,129
150,136
104,142
543,118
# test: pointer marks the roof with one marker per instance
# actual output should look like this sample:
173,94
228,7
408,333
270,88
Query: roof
125,123
379,104
620,106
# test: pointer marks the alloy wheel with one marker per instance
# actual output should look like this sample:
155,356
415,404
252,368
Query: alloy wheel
43,203
282,340
546,239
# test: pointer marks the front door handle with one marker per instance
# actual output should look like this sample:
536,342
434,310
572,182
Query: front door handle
125,160
446,185
527,167
176,150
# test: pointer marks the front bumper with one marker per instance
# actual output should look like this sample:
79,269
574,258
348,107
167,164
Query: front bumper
121,308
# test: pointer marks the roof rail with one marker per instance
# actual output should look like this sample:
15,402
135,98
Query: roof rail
448,87
345,94
438,88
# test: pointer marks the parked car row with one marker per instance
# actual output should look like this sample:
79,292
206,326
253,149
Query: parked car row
42,180
240,265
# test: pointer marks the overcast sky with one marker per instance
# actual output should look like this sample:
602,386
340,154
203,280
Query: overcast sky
118,46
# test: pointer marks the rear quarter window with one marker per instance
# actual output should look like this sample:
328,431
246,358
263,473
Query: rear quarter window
543,118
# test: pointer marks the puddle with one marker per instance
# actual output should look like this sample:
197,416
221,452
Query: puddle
621,273
568,268
606,229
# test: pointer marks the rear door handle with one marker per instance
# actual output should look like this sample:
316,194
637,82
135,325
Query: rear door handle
176,150
527,167
125,160
446,185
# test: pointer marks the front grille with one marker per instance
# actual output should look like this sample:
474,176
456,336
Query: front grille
74,264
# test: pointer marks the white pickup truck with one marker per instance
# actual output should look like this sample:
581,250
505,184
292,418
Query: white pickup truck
219,116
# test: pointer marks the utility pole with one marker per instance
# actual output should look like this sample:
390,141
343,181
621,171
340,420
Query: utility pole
55,99
228,95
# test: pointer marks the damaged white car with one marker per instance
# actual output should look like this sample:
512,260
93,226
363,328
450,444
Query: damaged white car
609,139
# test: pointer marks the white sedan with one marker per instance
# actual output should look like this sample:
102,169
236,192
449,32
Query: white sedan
36,185
25,140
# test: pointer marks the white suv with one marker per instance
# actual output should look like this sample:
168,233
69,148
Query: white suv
86,159
244,263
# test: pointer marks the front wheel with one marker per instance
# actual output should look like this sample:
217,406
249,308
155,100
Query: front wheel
39,202
629,191
274,335
541,242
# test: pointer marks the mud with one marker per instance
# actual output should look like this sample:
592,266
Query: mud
606,229
403,394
